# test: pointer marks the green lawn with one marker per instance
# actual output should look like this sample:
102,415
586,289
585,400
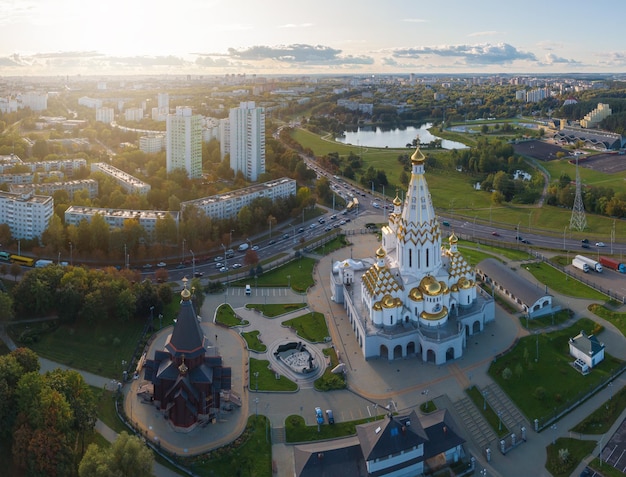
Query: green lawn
298,274
296,429
226,316
276,309
541,388
601,420
617,319
553,319
266,380
253,341
578,450
329,380
335,244
561,283
99,348
311,327
105,401
249,455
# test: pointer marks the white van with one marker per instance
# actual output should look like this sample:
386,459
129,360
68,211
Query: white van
248,290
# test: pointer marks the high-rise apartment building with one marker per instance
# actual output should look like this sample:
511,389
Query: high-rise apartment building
27,215
184,142
247,140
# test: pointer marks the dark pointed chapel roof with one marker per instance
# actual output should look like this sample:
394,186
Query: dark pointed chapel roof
187,337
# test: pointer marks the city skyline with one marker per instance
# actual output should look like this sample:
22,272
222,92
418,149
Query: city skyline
276,37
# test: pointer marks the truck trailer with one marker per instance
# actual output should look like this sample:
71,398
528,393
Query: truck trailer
593,264
613,264
580,265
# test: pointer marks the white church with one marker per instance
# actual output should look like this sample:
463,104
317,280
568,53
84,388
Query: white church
416,297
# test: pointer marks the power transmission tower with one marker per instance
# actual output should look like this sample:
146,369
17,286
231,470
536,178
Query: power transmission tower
579,219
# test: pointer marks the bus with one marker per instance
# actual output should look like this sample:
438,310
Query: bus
5,256
26,261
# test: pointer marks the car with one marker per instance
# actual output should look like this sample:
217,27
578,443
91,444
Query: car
147,266
271,242
348,219
217,259
319,417
343,222
600,244
328,228
255,248
336,226
584,241
446,224
584,245
322,220
495,234
236,265
312,226
198,274
333,217
180,265
300,230
526,241
329,415
161,264
285,236
219,265
223,269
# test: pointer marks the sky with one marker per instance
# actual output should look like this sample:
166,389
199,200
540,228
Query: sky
91,37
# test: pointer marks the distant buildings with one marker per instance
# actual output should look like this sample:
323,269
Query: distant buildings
151,144
115,218
247,140
224,206
27,215
49,188
184,142
105,115
595,117
129,183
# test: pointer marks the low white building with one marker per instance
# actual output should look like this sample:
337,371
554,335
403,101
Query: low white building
586,348
129,183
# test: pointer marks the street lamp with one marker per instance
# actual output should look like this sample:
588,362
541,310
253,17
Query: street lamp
500,420
553,427
231,238
193,262
256,407
564,230
182,260
256,376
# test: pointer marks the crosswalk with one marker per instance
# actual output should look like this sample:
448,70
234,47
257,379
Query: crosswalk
261,292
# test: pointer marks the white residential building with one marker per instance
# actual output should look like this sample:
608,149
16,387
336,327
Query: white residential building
105,115
90,102
49,188
66,166
133,114
223,206
247,140
129,183
184,142
152,144
27,215
595,117
35,101
115,218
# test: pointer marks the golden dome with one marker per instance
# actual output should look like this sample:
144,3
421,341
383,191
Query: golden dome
415,294
464,283
418,157
390,302
453,238
377,306
397,202
430,286
380,253
185,294
424,315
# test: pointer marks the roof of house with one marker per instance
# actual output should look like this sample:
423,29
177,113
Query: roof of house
588,344
521,288
390,436
336,458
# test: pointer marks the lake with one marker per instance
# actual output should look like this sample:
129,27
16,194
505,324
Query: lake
398,137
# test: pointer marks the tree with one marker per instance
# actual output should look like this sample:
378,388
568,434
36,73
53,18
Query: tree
15,270
127,457
6,308
251,258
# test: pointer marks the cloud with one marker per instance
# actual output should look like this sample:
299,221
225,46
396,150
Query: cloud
482,54
483,33
551,59
298,53
296,25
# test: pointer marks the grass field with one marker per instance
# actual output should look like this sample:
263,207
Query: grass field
99,348
311,327
266,379
560,283
297,274
542,379
275,309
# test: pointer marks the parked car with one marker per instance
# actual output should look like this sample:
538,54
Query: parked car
319,417
329,415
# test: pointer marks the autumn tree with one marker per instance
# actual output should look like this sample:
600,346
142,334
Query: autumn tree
127,457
